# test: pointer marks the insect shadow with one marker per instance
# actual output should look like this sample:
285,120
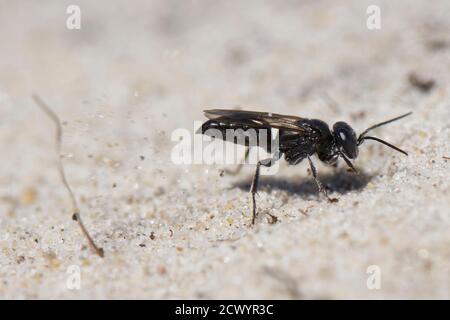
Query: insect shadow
340,181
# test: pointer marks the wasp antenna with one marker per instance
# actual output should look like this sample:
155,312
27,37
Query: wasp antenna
385,143
361,136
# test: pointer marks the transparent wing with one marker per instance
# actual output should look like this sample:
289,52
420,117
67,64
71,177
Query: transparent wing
258,119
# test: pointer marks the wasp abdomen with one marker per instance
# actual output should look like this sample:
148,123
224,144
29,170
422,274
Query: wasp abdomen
242,133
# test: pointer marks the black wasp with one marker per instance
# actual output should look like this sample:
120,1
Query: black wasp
298,138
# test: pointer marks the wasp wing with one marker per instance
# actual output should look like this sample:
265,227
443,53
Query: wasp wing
242,122
255,119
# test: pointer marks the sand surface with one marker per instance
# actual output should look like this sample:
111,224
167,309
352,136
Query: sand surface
136,72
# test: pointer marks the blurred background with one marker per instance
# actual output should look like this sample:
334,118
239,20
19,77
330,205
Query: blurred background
136,71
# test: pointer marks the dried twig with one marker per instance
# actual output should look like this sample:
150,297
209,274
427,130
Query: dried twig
76,211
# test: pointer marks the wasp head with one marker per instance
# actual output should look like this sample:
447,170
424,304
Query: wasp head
347,144
345,139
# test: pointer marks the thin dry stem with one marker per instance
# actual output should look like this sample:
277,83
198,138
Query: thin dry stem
76,211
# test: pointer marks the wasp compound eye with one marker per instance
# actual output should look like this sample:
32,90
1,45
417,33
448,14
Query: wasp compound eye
345,138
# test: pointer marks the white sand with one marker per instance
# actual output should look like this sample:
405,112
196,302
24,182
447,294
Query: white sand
134,73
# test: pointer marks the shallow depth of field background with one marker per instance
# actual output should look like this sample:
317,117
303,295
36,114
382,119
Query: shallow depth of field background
136,71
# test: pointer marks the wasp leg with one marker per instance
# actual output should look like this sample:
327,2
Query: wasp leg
254,188
318,183
240,165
